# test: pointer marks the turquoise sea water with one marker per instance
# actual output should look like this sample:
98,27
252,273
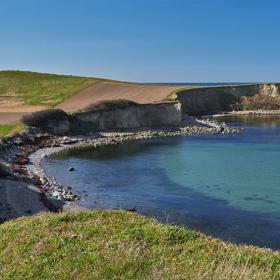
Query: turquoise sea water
224,185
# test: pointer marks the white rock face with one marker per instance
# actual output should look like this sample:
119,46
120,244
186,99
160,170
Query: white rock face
270,89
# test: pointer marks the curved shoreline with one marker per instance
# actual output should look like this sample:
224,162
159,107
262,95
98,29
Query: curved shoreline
22,154
57,191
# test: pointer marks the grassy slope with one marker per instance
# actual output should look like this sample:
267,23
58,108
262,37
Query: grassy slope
48,89
41,89
9,129
122,245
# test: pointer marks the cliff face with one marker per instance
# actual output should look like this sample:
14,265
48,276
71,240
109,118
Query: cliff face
107,116
142,115
222,98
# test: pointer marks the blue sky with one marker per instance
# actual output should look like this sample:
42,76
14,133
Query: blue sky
144,40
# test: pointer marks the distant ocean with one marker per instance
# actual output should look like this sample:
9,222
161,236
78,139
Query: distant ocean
201,84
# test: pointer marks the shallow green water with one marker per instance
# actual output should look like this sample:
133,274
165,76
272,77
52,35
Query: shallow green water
245,175
224,185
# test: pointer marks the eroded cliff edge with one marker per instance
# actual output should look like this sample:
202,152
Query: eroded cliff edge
207,100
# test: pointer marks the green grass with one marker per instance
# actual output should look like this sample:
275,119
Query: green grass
9,129
39,88
173,95
122,245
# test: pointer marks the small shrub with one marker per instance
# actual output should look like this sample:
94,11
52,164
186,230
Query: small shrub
108,105
43,118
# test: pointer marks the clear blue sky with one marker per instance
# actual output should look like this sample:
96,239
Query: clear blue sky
144,40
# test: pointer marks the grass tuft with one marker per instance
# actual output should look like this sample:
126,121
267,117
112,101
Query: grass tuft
9,129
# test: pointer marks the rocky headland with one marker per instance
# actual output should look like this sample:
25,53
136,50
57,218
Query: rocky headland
217,99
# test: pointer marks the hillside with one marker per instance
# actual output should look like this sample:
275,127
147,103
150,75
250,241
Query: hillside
40,88
49,90
24,92
122,245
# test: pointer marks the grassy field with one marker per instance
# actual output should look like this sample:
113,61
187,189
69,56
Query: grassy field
41,89
9,129
122,245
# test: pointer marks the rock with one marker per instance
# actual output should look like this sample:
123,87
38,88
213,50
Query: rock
57,194
4,171
71,169
22,160
131,210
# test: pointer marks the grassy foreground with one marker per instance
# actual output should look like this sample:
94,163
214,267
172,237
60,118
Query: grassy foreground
9,129
39,88
122,245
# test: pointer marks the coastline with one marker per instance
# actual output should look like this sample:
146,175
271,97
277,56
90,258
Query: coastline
60,192
25,160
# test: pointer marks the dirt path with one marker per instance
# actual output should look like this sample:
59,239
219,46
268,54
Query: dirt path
113,90
11,110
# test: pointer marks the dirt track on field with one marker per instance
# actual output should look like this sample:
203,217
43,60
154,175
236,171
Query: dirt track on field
11,110
113,90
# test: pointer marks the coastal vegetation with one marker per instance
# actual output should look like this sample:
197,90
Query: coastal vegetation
40,88
122,245
107,105
44,117
9,129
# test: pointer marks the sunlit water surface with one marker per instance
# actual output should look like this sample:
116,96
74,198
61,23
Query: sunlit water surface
227,186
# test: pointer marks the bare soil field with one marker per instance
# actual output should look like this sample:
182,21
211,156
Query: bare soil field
11,110
114,90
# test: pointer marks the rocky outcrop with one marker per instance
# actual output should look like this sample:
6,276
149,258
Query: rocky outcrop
5,171
136,116
223,98
54,121
109,115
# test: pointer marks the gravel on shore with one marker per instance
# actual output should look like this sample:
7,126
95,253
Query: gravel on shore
249,113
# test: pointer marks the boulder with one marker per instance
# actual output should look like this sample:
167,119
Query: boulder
5,171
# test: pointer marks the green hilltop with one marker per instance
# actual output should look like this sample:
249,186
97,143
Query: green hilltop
123,245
